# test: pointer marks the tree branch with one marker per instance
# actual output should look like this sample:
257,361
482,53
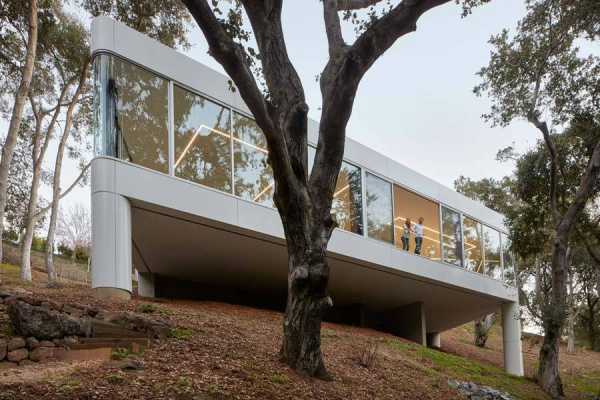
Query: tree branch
44,210
347,5
333,28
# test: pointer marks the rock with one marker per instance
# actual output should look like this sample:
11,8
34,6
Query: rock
138,323
2,349
42,354
17,355
58,342
32,343
70,341
472,391
24,363
4,295
71,310
46,343
16,343
42,323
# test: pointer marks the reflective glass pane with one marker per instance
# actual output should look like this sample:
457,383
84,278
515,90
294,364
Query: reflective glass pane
202,140
347,199
491,245
508,261
451,237
139,101
473,245
379,208
416,219
253,175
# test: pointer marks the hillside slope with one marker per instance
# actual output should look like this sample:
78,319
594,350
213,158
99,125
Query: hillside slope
221,351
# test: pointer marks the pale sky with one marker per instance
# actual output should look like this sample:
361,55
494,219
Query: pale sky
416,104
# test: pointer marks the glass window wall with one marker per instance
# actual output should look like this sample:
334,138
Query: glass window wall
347,199
508,261
202,140
491,245
136,108
379,209
451,237
416,224
473,245
253,175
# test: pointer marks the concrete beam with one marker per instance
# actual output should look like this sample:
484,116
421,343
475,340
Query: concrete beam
434,340
146,285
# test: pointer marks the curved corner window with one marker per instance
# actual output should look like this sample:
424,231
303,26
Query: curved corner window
202,140
508,262
133,109
491,245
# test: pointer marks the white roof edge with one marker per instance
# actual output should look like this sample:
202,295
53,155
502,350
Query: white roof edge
111,36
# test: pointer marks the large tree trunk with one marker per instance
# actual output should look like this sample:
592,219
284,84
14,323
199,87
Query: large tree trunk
15,121
308,275
554,315
52,281
482,329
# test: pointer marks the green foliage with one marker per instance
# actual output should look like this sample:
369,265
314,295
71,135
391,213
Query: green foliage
146,308
120,353
279,379
181,333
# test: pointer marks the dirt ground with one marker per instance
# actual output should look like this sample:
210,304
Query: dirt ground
223,351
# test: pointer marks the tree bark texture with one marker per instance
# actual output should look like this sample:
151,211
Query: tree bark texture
15,121
482,329
49,259
303,201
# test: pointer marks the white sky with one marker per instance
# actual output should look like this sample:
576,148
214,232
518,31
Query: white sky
416,104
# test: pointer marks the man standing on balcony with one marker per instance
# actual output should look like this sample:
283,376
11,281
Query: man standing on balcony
418,229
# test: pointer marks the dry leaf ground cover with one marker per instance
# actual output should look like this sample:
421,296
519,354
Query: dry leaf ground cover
222,351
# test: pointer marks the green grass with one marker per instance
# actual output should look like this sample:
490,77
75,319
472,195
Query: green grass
588,383
462,369
9,271
181,333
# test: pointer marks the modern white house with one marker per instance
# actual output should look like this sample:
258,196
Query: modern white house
182,194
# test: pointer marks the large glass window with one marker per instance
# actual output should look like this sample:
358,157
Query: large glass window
491,246
414,217
379,209
137,111
347,199
253,175
473,244
451,237
508,261
202,140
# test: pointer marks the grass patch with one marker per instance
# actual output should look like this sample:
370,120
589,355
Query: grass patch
120,353
146,308
584,382
279,379
115,379
10,271
181,333
469,370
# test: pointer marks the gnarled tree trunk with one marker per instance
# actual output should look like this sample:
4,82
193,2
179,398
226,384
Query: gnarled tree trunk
15,121
482,329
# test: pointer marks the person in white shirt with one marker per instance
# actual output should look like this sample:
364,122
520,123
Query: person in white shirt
418,229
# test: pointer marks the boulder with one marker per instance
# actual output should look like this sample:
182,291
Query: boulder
32,343
16,343
42,354
2,349
4,295
73,311
45,323
17,355
137,323
46,343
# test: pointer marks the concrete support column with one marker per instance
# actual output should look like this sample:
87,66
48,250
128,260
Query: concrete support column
511,334
146,285
111,245
434,339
